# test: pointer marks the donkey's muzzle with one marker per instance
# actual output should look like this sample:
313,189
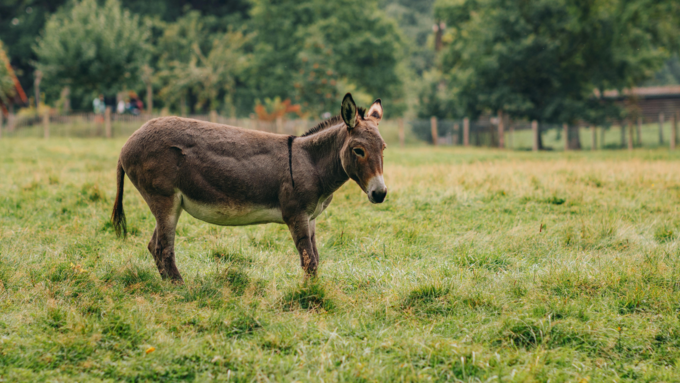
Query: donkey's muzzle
376,190
378,196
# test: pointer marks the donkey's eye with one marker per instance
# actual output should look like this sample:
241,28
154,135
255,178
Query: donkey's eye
359,152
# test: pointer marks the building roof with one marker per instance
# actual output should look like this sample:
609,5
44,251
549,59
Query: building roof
646,92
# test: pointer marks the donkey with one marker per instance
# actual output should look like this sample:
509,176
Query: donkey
231,176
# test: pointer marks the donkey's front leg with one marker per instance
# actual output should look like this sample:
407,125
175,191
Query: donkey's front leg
312,230
299,227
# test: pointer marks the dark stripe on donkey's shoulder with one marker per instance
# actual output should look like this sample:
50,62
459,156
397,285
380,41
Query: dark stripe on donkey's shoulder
290,159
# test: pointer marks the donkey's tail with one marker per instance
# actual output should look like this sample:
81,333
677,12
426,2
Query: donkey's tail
118,215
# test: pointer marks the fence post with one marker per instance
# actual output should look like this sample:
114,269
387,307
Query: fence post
433,126
501,130
149,99
36,84
661,128
10,118
46,124
622,127
593,132
534,131
279,125
466,131
402,137
674,131
213,116
565,130
183,104
456,128
107,121
2,116
639,131
630,135
511,134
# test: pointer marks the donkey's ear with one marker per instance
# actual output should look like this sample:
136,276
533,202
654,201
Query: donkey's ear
348,111
376,110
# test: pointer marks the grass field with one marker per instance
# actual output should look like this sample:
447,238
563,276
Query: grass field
482,265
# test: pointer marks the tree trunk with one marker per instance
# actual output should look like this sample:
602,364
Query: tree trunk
501,130
623,135
438,34
539,137
66,96
639,131
574,137
149,99
183,104
36,83
10,119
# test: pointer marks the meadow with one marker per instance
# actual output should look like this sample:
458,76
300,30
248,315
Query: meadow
481,266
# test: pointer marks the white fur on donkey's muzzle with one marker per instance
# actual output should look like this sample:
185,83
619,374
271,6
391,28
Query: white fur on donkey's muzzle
376,189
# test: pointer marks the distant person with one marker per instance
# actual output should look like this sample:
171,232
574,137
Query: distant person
120,108
99,107
133,104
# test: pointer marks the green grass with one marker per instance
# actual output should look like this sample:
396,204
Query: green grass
481,265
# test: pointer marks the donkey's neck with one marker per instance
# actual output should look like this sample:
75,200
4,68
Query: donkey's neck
323,149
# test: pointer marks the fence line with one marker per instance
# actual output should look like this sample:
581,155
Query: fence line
491,132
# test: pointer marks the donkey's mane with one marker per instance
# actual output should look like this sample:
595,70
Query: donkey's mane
330,122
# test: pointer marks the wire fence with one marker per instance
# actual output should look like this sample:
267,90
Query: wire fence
484,132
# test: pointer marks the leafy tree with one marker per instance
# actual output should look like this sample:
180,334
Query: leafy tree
20,24
93,48
7,87
416,19
541,59
366,47
195,57
317,88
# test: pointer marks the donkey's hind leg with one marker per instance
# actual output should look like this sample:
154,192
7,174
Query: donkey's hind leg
162,246
152,250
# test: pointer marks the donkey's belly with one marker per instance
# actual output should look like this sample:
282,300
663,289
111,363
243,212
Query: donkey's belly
231,215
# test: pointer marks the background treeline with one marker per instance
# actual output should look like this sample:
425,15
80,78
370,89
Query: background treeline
533,59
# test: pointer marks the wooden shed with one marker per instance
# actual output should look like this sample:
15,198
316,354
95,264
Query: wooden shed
649,102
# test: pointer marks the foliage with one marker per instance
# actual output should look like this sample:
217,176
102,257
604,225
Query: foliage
7,87
541,59
365,51
275,108
534,59
92,48
415,19
193,56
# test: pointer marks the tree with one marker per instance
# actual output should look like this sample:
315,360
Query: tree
20,24
196,57
7,87
93,48
365,45
542,59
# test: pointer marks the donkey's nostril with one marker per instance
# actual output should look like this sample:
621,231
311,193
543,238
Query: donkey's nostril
378,196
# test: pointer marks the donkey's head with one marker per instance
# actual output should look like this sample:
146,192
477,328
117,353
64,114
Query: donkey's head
362,152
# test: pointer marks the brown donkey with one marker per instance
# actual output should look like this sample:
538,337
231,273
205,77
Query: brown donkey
231,176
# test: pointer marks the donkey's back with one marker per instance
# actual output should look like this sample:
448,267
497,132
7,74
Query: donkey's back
206,162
